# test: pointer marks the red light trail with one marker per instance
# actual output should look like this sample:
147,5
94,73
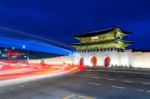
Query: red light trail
11,69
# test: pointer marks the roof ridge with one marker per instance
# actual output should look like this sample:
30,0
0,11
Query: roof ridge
102,30
93,33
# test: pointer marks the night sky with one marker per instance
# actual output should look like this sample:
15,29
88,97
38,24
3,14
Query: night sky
59,20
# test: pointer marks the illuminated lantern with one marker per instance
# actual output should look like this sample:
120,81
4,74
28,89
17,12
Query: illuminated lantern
94,61
107,61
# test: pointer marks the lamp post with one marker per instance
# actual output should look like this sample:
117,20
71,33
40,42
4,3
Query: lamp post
28,56
24,46
13,48
6,51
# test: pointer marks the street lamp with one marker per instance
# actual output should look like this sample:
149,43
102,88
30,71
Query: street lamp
24,46
5,49
13,48
7,53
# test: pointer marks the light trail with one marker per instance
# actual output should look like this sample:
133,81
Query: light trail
33,45
14,70
14,38
34,36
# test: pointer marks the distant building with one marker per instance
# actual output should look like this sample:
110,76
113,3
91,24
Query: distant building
19,54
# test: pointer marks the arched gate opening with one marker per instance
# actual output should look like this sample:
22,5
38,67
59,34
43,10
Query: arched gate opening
81,61
94,61
107,61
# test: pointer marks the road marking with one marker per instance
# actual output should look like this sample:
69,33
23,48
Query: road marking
110,79
139,89
67,97
90,77
85,97
128,81
148,91
77,97
118,87
91,83
95,77
146,83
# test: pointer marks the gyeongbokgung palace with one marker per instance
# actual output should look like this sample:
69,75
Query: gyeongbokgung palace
104,48
107,39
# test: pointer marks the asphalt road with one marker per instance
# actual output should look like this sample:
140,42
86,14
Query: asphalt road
83,85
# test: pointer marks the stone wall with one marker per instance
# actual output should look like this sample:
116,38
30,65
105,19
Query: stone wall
141,59
117,59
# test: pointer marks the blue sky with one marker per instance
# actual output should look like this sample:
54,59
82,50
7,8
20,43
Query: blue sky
59,20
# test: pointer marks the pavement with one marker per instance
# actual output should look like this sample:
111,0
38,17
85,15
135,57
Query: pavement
90,84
